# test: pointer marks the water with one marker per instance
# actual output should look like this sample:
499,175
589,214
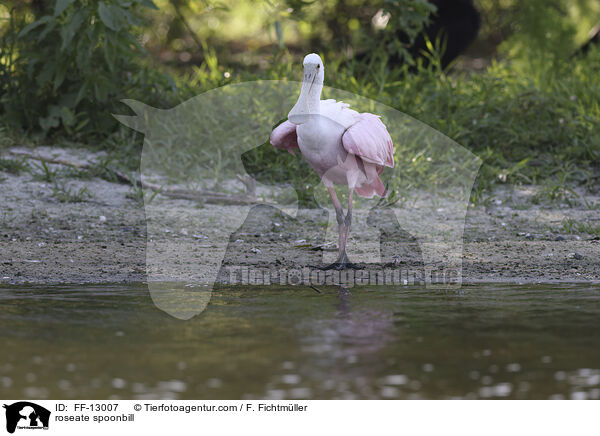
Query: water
487,341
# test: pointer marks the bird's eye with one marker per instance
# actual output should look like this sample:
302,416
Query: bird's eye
318,66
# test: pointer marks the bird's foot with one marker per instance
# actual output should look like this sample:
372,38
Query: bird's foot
341,264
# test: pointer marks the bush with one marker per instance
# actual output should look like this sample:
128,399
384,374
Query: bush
348,23
68,70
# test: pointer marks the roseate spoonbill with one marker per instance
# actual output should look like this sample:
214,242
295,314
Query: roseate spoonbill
343,146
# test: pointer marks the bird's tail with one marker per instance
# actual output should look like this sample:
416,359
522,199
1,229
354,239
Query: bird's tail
374,188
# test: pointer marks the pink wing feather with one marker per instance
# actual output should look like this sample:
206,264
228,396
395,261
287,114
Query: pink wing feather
284,137
369,139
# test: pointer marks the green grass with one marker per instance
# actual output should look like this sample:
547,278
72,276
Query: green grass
42,172
64,194
13,166
528,126
592,229
570,226
534,126
526,129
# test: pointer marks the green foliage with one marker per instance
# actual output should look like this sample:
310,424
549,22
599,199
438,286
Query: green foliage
369,27
537,33
526,128
45,174
406,16
70,68
542,35
13,166
533,117
65,194
536,128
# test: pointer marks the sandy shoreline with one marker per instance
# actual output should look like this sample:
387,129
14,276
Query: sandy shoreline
103,239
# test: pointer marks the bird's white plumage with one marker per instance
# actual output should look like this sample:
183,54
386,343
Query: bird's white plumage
343,146
339,112
312,58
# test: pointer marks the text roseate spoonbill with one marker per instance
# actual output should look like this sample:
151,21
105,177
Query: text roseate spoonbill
343,146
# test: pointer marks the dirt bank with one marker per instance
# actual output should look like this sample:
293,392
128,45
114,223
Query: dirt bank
74,228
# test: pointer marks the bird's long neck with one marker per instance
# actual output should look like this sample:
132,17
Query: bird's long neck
310,96
309,102
313,98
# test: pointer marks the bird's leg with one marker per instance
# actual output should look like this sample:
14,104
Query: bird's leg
343,227
339,215
347,225
348,218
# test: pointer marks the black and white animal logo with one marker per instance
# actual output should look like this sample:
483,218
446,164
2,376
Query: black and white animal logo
26,415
